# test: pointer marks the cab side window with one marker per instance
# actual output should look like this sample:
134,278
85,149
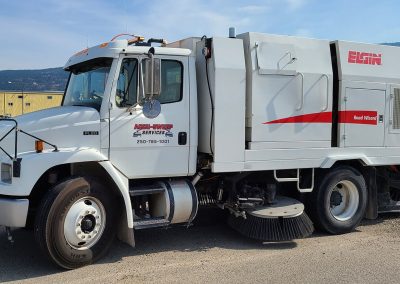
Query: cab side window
171,82
127,85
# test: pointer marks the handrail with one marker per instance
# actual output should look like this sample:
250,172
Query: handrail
15,158
327,92
40,139
302,90
256,45
16,138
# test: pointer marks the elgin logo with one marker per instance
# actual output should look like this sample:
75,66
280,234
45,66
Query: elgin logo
358,57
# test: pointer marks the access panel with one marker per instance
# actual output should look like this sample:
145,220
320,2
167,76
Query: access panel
363,118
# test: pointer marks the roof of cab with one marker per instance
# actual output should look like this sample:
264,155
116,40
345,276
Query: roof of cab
114,48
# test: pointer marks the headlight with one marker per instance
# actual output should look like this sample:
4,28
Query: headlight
6,173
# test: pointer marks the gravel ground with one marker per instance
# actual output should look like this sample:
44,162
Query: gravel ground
210,252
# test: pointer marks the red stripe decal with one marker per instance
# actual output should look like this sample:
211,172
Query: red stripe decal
319,117
350,116
359,117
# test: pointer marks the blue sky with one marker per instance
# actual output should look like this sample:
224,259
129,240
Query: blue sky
44,33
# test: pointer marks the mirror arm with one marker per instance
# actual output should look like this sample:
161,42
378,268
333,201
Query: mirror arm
141,79
152,76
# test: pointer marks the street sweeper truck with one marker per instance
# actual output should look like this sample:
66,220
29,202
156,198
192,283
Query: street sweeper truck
281,133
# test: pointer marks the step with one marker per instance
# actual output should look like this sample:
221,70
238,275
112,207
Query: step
394,183
392,207
145,189
150,223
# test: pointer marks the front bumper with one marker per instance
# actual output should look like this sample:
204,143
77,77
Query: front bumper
13,212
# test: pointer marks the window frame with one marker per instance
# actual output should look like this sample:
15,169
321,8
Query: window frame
139,83
138,61
182,77
71,69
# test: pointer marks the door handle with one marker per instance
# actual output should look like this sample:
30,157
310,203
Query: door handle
302,90
182,138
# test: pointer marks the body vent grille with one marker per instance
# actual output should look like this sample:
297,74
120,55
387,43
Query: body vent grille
396,109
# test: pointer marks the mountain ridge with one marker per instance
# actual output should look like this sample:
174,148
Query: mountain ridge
49,79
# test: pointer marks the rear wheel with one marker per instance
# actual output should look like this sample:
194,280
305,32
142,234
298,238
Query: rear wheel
75,223
339,201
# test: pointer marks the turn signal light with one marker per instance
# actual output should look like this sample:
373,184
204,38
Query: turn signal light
39,146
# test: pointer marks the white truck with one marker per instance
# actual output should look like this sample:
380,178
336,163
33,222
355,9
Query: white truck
270,128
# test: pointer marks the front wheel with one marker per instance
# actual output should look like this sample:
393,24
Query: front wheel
75,224
339,201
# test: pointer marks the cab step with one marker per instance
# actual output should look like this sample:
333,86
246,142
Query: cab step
150,223
386,204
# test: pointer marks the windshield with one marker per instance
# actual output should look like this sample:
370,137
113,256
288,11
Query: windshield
87,83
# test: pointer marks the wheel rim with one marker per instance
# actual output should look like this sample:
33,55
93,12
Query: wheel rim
344,199
84,223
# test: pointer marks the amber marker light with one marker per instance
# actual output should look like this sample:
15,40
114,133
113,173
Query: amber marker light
39,146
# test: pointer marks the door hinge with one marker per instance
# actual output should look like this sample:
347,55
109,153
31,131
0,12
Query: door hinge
344,137
345,99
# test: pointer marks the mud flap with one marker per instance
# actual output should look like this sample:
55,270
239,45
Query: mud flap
371,212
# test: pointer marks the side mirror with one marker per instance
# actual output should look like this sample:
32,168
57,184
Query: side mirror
152,76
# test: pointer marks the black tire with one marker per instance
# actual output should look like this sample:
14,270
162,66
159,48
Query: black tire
321,203
51,215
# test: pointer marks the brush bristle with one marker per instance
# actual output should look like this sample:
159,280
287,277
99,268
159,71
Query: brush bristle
273,229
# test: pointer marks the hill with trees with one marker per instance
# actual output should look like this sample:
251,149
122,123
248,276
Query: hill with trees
51,79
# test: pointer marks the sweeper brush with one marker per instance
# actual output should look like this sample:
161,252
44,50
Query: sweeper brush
284,220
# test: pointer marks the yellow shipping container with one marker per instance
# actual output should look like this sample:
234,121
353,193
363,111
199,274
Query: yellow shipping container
2,95
17,103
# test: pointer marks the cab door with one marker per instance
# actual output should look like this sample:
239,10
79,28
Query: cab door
143,147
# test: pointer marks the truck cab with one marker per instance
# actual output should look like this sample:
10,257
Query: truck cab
110,78
129,113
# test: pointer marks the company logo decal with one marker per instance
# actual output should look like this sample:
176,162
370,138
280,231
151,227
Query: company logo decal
153,129
357,57
368,117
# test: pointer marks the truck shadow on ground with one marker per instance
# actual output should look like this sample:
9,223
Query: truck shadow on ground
23,259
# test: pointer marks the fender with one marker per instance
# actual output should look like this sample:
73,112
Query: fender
41,162
123,185
125,230
331,160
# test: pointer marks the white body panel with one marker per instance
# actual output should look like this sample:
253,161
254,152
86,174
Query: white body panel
227,75
386,72
287,77
368,76
294,140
